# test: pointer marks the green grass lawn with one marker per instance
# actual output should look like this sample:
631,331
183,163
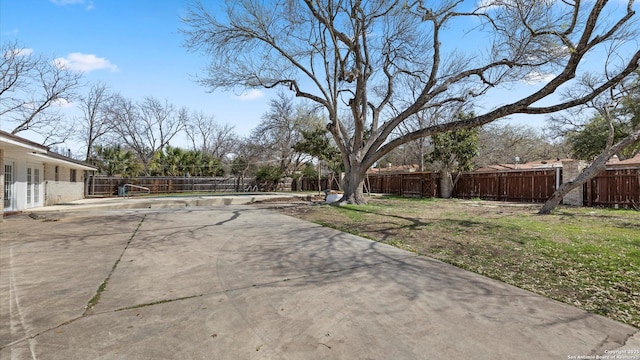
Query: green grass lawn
586,257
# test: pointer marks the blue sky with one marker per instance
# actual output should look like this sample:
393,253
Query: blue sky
134,46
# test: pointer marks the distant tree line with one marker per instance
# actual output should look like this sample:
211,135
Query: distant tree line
128,138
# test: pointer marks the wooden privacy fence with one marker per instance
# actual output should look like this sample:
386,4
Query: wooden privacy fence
311,184
424,184
521,186
614,188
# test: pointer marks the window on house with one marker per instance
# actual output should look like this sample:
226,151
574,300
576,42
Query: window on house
8,186
57,174
36,188
72,175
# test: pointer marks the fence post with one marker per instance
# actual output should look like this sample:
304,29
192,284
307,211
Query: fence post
589,192
499,183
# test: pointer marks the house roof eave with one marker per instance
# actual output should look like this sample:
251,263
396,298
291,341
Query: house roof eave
47,158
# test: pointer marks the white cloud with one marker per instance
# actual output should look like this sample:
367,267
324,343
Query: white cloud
535,77
59,102
251,95
13,32
487,5
19,52
67,2
73,2
85,63
63,103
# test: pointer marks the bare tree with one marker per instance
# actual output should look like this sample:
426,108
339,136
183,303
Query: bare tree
357,55
281,128
596,167
209,136
32,89
502,143
95,122
16,66
618,106
417,149
147,127
247,157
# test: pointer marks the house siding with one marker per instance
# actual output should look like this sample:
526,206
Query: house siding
59,192
2,182
33,182
25,193
62,190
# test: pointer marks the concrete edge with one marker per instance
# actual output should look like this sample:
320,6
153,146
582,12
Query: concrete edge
164,202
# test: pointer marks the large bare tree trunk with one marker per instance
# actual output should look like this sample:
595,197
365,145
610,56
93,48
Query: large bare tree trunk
446,184
353,185
588,173
598,165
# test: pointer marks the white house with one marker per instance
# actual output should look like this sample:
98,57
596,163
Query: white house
32,176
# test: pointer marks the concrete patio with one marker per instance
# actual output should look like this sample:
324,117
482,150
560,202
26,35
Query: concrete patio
239,282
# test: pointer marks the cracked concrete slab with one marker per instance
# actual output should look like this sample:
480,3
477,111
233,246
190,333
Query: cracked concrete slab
237,282
51,269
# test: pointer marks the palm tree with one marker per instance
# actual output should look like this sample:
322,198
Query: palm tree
115,161
169,162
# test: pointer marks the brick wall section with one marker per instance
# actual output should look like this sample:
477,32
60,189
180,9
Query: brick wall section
570,170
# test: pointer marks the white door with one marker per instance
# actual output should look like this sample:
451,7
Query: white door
8,187
33,187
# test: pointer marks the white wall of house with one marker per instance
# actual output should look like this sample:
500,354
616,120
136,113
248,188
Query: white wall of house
33,177
61,186
23,182
2,183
